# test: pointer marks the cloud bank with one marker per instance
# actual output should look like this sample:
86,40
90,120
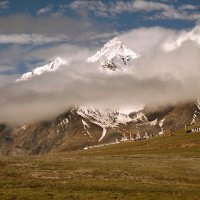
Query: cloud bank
158,78
163,10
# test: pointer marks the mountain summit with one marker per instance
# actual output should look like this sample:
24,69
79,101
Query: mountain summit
114,55
51,66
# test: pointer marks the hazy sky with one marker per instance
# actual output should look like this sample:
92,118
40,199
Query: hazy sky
165,34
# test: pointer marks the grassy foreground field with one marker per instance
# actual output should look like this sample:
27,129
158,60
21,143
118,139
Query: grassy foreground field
166,167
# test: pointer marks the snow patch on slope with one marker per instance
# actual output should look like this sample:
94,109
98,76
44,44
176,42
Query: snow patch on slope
193,119
103,118
86,127
103,134
154,122
161,126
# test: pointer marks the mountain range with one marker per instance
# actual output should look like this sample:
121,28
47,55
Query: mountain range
80,126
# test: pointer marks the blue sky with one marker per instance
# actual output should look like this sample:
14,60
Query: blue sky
144,13
115,15
27,26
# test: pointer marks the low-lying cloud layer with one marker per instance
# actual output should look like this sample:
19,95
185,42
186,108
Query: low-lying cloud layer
157,78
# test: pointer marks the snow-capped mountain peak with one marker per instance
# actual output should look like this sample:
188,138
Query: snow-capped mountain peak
114,55
51,66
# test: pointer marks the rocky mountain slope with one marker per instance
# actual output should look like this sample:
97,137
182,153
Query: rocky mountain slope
77,129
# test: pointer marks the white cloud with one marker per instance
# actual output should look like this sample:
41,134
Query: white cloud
193,35
188,7
56,27
111,9
145,40
98,7
173,13
7,79
138,5
52,24
6,69
44,10
163,10
30,38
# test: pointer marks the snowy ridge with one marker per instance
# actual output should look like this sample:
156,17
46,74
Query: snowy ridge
52,66
114,55
108,118
103,118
